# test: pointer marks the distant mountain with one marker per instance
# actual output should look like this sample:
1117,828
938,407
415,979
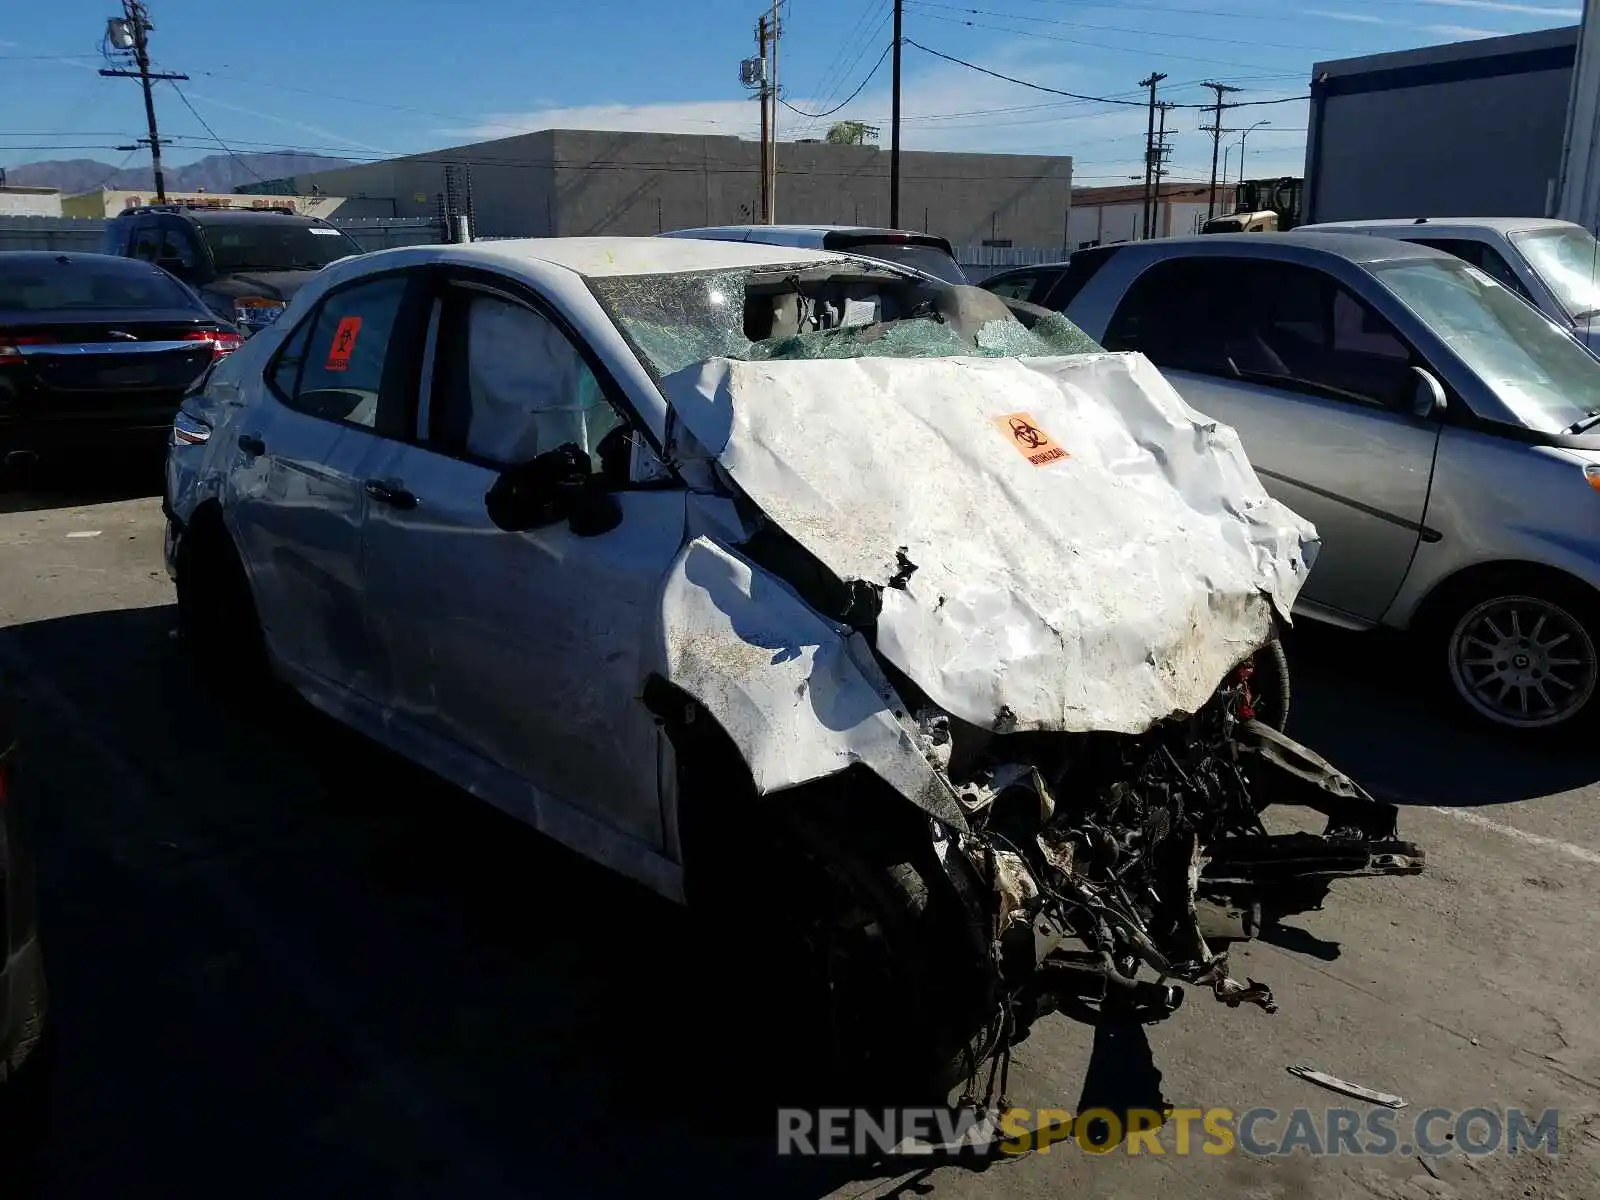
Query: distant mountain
215,173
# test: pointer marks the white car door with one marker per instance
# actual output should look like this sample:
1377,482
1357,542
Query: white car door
297,495
524,648
1319,386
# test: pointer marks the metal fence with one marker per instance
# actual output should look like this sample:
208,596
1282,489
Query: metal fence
84,234
383,233
50,233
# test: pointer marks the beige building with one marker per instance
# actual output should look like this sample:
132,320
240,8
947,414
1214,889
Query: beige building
108,202
19,201
1103,215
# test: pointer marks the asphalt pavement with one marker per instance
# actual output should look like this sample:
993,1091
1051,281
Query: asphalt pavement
284,961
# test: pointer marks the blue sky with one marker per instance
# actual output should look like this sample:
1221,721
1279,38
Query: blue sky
365,78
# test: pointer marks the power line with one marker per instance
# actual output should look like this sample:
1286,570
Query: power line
1039,87
195,113
860,87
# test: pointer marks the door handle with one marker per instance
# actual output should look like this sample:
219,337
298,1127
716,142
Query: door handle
251,444
392,494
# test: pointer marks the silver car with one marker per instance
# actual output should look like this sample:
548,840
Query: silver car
925,253
1553,265
1440,432
918,642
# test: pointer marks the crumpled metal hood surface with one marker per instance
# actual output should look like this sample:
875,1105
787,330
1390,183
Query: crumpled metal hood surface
1063,543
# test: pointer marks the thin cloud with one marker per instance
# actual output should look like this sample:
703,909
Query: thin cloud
1340,15
1460,31
256,111
1509,6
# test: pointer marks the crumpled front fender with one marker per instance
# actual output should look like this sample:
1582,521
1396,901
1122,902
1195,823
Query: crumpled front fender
800,697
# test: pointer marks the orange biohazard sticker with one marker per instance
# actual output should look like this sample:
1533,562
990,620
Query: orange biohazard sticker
1033,443
344,344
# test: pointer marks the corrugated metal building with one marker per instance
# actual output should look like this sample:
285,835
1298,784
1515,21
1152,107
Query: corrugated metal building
1470,129
1580,182
560,182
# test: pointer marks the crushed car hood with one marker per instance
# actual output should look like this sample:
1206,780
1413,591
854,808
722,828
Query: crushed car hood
1061,543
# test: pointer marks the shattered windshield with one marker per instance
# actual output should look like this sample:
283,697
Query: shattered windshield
675,321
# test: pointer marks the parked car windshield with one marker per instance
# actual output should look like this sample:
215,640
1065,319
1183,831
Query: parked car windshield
269,246
675,321
1568,260
36,284
1540,373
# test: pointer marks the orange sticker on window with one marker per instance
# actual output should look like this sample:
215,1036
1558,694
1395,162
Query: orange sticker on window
1033,443
344,344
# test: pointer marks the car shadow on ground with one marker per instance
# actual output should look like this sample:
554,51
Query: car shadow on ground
97,477
273,943
281,957
1358,701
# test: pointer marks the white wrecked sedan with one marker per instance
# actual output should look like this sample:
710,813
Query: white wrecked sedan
894,621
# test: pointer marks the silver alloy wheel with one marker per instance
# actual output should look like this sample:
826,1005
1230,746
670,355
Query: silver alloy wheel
1523,662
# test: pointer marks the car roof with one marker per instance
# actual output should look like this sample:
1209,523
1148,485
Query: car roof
820,231
41,258
1423,224
217,216
1357,247
600,257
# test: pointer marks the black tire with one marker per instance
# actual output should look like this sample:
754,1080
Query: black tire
825,914
217,619
1540,677
895,999
1270,690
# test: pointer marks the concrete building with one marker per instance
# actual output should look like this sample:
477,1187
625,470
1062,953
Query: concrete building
1470,129
19,201
108,202
560,182
1102,215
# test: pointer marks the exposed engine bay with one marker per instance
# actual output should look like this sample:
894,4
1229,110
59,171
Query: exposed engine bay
1107,853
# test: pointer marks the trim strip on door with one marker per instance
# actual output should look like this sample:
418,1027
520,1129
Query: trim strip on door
1425,532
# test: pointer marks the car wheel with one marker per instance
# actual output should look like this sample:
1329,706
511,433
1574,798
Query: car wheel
217,618
1520,655
1269,684
880,999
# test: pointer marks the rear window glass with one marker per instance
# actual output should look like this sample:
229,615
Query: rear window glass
930,260
75,282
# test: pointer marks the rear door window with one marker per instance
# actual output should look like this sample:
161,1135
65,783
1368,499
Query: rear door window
333,365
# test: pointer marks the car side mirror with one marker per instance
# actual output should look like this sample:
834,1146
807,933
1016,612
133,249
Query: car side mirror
557,485
1428,400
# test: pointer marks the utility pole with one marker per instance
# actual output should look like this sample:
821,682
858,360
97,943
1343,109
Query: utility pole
1149,143
131,31
761,54
1162,150
894,124
1216,131
772,154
